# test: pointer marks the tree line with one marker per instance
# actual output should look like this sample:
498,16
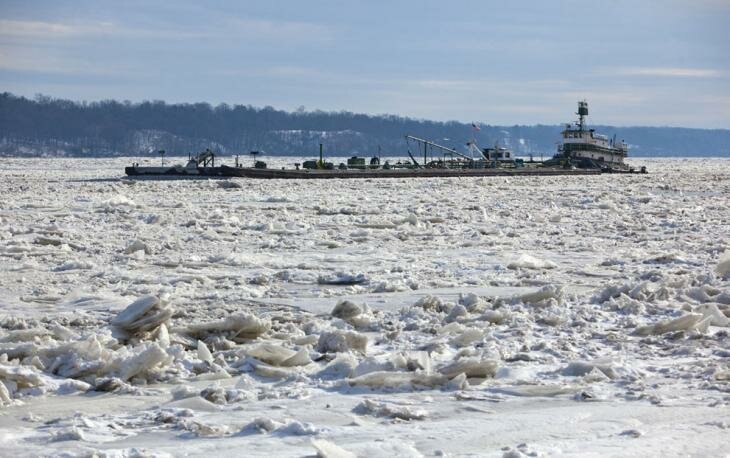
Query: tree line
50,126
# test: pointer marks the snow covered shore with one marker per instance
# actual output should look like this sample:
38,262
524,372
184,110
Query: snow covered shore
531,316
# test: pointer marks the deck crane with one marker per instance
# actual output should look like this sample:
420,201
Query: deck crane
427,143
472,147
204,159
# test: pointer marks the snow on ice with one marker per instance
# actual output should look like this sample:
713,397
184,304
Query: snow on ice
532,316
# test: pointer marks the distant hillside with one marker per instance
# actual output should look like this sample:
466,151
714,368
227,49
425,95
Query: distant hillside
52,127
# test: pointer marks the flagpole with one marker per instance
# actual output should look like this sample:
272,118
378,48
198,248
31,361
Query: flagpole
474,129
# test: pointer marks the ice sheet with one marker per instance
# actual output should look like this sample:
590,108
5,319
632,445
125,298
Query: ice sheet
485,316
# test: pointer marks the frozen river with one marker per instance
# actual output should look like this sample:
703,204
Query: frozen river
402,317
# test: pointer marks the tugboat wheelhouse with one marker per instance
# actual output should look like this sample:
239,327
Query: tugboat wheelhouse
585,148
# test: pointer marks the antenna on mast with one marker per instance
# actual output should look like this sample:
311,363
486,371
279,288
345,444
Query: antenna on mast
582,113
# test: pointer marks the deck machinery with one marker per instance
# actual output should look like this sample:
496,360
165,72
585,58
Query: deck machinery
478,158
202,164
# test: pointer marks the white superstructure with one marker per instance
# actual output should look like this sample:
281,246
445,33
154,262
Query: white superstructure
585,146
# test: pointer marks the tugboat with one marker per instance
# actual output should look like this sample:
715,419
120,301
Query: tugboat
585,149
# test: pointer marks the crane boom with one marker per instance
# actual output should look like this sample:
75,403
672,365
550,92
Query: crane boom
205,157
472,145
437,146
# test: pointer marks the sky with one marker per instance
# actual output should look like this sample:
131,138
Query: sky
639,62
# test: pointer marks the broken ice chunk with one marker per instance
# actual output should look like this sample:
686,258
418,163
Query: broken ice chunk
326,449
342,366
525,261
346,310
471,367
468,337
685,322
150,357
717,318
279,356
580,368
387,379
204,353
145,314
242,325
137,245
358,316
343,279
342,341
5,398
723,267
382,409
543,294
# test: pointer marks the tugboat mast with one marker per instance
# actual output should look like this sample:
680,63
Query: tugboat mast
582,113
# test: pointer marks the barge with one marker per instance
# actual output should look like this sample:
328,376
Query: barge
204,166
582,152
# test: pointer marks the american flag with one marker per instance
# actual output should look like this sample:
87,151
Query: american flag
475,127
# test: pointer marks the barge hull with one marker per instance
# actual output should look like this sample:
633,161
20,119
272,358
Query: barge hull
173,171
248,172
398,173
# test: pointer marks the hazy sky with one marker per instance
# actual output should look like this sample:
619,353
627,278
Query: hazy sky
638,62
